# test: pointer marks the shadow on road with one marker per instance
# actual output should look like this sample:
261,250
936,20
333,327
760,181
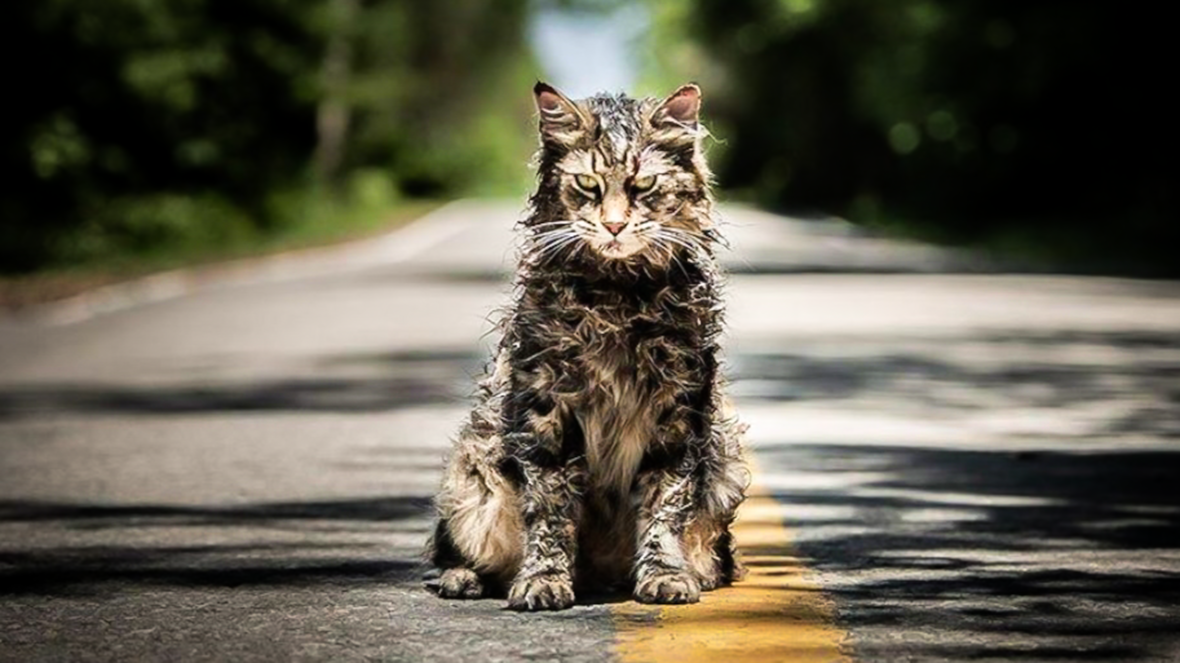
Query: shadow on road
1068,550
1064,546
1122,383
930,376
323,551
1050,531
1051,551
391,381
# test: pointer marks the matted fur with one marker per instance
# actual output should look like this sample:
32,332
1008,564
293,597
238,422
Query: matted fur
600,452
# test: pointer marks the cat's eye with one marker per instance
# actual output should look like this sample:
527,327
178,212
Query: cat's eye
586,183
641,184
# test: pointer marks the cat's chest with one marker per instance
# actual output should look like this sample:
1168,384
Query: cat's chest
616,412
622,360
614,330
615,347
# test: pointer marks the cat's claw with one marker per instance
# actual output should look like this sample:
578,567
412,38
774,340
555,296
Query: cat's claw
460,584
541,592
668,588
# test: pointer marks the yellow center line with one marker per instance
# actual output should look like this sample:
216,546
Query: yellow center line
775,614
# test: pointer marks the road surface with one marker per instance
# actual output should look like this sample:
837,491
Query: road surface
952,464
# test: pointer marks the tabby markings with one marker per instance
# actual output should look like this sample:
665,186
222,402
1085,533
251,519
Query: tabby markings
775,614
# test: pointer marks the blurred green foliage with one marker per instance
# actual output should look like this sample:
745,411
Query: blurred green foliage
146,125
140,127
1044,127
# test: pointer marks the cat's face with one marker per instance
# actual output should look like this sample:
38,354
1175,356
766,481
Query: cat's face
623,178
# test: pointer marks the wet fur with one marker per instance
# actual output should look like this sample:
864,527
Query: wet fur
600,453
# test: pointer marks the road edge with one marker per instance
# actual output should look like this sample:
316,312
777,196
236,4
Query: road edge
397,245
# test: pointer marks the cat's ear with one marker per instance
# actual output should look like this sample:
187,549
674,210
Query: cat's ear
561,119
681,110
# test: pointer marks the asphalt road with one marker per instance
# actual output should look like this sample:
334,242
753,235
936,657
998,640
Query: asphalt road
971,466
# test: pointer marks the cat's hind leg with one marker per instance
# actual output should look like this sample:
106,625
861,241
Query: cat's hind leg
709,545
711,554
458,579
477,543
710,548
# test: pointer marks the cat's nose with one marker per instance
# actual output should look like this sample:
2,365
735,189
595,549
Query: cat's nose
614,228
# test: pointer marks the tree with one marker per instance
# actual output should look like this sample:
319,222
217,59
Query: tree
971,118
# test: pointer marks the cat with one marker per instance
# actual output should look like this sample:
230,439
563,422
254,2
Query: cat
601,452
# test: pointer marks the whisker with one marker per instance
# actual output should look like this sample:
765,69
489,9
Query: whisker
554,245
679,241
685,236
554,242
562,222
543,236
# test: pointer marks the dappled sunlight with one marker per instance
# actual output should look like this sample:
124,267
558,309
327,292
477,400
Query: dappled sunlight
973,467
1049,547
100,549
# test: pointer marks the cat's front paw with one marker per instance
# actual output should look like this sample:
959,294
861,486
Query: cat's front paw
668,588
541,592
460,584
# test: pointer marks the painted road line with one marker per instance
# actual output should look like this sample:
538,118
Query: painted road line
775,614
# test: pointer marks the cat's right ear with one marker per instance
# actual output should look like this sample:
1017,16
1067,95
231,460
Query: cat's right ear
561,119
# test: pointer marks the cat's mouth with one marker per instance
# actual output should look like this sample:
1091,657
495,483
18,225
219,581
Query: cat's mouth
616,250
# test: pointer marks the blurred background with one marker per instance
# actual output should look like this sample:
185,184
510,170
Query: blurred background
149,133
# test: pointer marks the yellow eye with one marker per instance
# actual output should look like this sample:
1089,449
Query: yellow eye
641,184
586,183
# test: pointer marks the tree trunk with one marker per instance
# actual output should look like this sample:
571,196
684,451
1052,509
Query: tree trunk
333,114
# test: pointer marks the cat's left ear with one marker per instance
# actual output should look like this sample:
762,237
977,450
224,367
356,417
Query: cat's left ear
681,110
561,119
